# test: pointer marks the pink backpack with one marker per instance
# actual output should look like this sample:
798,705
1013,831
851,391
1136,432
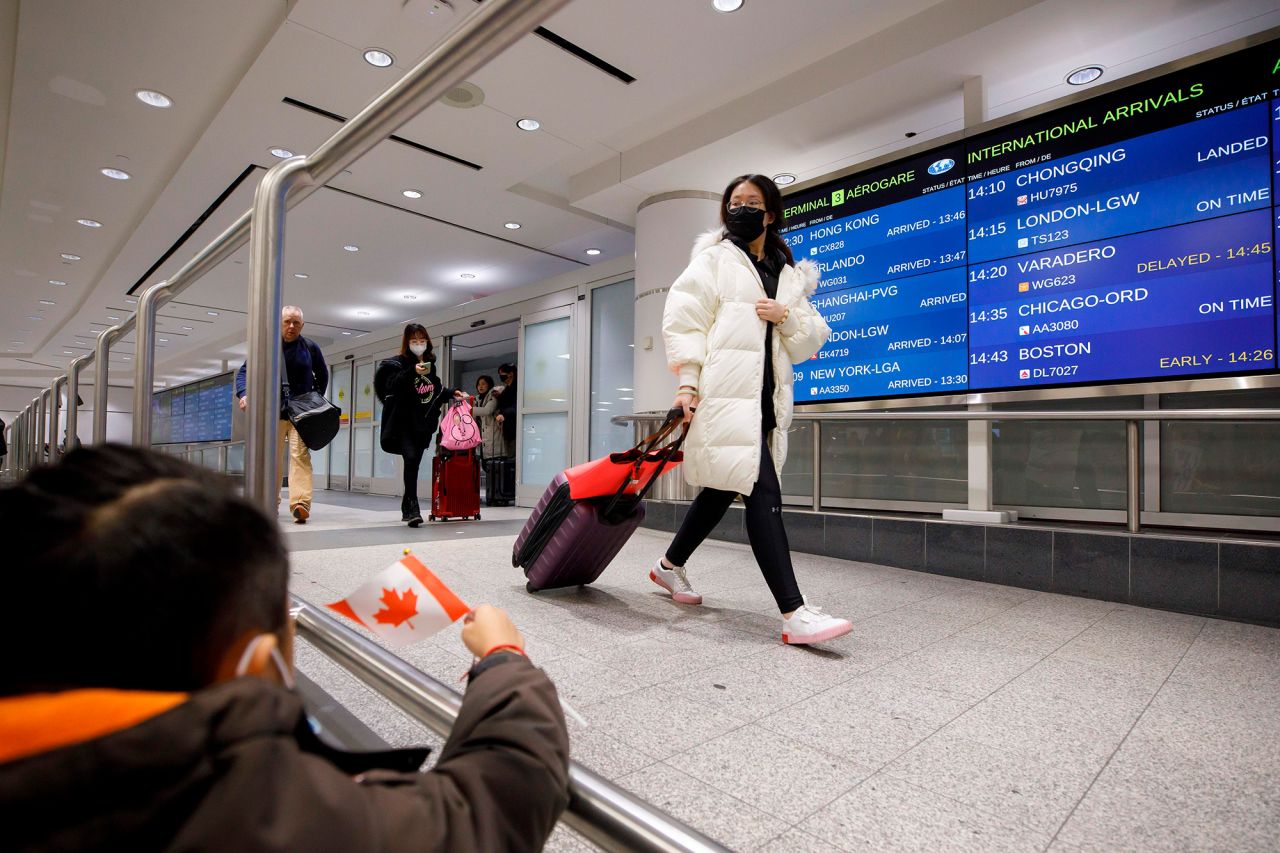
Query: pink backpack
458,427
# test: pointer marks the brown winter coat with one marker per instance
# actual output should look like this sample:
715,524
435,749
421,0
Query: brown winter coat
236,768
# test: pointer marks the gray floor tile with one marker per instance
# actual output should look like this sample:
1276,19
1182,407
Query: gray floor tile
595,747
742,692
795,841
661,723
812,668
585,683
899,698
1035,794
885,814
565,840
779,775
730,821
909,628
962,666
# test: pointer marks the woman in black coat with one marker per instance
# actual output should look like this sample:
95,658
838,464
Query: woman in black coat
412,396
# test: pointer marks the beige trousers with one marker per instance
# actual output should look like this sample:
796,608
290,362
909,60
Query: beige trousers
299,466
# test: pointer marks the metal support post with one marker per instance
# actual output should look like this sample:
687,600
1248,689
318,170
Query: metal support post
55,418
73,400
101,373
816,426
144,361
42,418
1134,494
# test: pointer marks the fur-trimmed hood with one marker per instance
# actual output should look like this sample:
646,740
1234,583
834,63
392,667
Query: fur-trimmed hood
807,269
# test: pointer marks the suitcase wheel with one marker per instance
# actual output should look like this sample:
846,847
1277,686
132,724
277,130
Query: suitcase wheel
477,516
431,518
528,587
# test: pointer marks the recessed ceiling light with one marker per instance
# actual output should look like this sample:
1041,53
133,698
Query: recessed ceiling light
528,124
282,153
90,223
301,275
410,297
152,98
66,352
67,256
726,5
164,340
784,179
350,248
466,275
411,193
116,174
187,329
212,313
57,282
47,302
379,58
514,226
362,313
112,317
1085,74
131,300
34,317
593,251
346,333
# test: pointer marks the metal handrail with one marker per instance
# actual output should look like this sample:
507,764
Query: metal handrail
487,32
1131,417
604,813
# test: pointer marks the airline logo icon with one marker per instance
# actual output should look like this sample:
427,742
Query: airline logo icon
1023,242
1024,374
1024,286
813,250
1022,199
939,167
1024,330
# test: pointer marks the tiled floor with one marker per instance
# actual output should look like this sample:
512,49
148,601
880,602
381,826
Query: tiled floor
958,715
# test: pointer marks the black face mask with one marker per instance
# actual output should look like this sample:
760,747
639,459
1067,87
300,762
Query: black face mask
745,223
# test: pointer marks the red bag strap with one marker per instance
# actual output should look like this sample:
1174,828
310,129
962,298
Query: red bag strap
675,417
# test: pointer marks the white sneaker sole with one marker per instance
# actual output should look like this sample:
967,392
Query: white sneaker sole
820,637
678,597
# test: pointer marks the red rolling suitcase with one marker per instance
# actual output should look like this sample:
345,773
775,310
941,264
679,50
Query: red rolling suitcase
590,511
455,485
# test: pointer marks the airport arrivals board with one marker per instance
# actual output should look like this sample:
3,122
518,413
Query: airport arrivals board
195,412
1130,236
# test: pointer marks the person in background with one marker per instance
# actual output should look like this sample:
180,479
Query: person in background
735,322
485,411
412,396
507,396
160,714
306,370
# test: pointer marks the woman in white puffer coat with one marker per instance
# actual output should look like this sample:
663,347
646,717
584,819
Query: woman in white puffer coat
736,320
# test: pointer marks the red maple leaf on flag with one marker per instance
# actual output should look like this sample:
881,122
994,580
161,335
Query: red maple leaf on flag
399,608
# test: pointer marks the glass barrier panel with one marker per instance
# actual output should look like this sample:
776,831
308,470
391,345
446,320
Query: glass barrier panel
895,460
545,447
797,471
545,375
612,366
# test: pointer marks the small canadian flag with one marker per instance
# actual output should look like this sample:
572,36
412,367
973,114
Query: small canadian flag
403,603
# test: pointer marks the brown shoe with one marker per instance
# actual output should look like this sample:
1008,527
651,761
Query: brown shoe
301,514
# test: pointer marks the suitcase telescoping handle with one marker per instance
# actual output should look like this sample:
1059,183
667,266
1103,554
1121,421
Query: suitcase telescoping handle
675,417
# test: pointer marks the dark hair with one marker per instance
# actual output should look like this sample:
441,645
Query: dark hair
485,378
506,367
414,330
772,204
132,570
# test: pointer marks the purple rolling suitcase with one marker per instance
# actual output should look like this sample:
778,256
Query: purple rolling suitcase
568,542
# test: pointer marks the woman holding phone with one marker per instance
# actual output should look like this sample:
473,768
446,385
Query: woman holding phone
412,395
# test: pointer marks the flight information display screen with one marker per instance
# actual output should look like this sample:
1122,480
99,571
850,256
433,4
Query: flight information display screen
199,411
1129,236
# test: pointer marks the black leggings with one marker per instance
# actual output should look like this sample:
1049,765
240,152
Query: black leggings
412,456
764,530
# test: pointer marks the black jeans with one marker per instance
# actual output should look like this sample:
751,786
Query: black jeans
765,531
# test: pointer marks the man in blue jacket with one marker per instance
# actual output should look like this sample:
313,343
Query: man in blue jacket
306,369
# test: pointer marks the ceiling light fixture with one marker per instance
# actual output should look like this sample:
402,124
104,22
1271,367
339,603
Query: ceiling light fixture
187,329
67,256
379,58
282,153
410,297
346,333
90,223
528,124
466,275
116,174
152,98
726,5
784,179
212,313
593,251
47,302
131,300
66,352
112,317
164,340
34,317
362,314
57,282
351,247
301,275
1084,74
411,193
513,226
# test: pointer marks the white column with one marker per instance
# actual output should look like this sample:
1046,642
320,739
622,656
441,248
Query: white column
666,227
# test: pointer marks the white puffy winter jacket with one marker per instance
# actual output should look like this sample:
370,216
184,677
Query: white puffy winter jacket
715,342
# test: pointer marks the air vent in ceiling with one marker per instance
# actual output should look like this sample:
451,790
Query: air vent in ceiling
464,97
426,149
583,54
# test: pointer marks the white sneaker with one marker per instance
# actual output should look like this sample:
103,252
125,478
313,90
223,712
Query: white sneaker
811,625
676,582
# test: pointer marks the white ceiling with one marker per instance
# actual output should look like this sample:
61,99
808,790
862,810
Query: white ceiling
805,86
